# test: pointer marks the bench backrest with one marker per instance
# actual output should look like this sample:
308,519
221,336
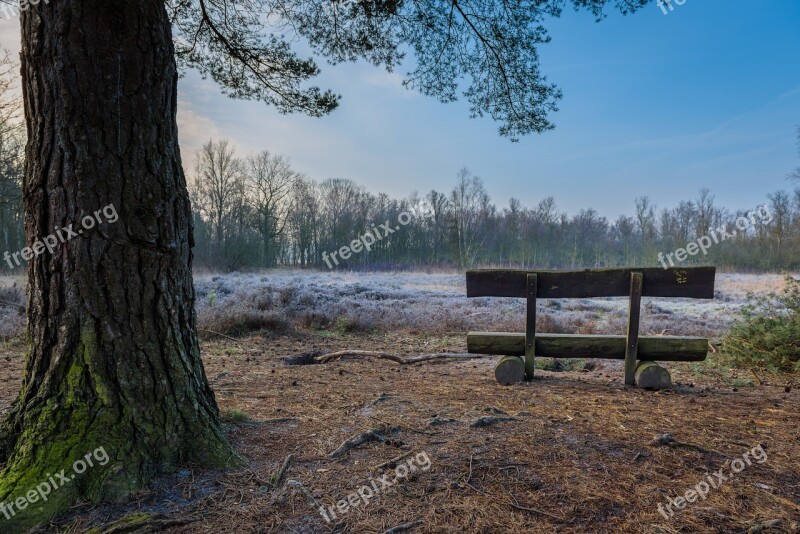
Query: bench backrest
688,282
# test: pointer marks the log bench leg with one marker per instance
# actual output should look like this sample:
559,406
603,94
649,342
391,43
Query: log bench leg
632,341
530,326
650,375
510,370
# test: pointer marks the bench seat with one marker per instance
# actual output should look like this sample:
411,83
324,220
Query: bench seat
611,347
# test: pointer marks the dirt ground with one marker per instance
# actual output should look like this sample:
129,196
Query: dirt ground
567,452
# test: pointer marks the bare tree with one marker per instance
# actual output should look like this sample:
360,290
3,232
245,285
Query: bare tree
218,189
270,180
706,213
303,222
781,209
469,202
646,217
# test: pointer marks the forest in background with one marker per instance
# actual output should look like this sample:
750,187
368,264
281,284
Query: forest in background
257,212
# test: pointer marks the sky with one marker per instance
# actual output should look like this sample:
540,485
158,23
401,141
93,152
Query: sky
658,105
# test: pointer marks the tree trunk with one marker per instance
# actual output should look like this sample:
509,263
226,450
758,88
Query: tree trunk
113,358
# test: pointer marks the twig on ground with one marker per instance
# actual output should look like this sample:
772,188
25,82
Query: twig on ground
784,501
761,526
393,462
276,420
668,440
402,528
535,511
517,506
760,382
278,477
219,334
310,499
489,420
403,426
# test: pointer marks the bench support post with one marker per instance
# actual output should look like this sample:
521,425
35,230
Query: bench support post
530,326
632,346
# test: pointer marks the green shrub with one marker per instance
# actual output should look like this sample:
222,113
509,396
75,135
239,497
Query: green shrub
767,333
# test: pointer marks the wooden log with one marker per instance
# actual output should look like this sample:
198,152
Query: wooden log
632,339
650,375
510,370
530,328
611,347
689,282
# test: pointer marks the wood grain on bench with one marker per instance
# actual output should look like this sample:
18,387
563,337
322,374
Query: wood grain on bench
688,282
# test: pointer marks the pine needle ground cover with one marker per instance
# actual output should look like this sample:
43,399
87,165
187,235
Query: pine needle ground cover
572,451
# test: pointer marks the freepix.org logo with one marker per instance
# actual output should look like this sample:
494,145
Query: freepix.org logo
61,235
54,481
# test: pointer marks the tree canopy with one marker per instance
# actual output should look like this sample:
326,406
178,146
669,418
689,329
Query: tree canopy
485,50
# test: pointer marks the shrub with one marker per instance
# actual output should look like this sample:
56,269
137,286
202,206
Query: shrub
767,333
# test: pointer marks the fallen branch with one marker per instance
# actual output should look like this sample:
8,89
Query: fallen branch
310,499
360,439
326,358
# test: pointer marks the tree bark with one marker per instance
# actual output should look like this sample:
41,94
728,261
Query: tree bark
113,356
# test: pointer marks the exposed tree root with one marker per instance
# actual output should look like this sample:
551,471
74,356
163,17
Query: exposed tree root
489,420
379,435
277,478
391,464
668,440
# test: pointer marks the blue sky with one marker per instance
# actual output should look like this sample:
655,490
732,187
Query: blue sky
654,104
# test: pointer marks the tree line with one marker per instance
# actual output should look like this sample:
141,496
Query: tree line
258,212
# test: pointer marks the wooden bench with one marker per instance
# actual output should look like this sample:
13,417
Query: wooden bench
694,282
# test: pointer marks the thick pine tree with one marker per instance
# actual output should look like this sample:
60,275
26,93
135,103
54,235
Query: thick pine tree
113,358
